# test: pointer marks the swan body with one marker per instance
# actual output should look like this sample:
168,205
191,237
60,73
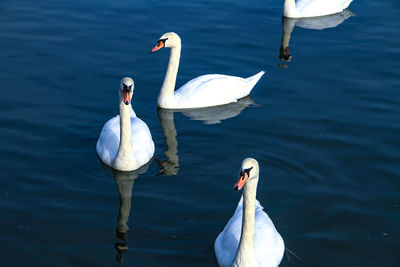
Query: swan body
203,91
250,238
125,142
313,8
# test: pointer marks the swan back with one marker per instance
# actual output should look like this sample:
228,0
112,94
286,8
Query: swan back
214,89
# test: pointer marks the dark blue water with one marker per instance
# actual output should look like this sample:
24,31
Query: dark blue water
324,127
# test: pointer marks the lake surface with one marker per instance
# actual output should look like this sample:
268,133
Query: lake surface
325,128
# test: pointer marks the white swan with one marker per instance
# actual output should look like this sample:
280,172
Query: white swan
203,91
257,243
132,146
313,8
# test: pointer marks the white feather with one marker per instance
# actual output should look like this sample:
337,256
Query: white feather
214,89
313,8
108,143
269,246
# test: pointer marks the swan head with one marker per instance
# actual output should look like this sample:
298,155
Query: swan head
126,90
169,39
248,171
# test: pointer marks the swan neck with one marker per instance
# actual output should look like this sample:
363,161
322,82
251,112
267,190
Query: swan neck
167,89
245,255
125,151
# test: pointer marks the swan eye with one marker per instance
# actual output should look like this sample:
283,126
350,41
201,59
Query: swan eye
127,87
242,172
162,41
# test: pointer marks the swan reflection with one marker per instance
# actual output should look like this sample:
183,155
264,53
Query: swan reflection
171,165
124,181
210,115
312,23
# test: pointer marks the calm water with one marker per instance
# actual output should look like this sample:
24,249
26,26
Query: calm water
325,128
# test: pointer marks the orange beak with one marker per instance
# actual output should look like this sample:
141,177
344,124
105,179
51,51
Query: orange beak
160,44
240,183
127,97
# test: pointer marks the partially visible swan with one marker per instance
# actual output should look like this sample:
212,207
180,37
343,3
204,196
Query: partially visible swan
132,146
312,23
313,8
250,238
203,91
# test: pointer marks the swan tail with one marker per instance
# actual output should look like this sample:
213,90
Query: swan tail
254,79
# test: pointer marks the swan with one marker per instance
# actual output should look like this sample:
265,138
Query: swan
132,146
203,91
313,8
257,243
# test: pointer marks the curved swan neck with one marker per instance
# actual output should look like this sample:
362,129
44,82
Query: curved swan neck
167,89
125,151
245,255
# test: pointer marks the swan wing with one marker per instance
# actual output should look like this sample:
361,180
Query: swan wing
227,242
108,143
309,8
269,245
214,89
211,89
142,142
